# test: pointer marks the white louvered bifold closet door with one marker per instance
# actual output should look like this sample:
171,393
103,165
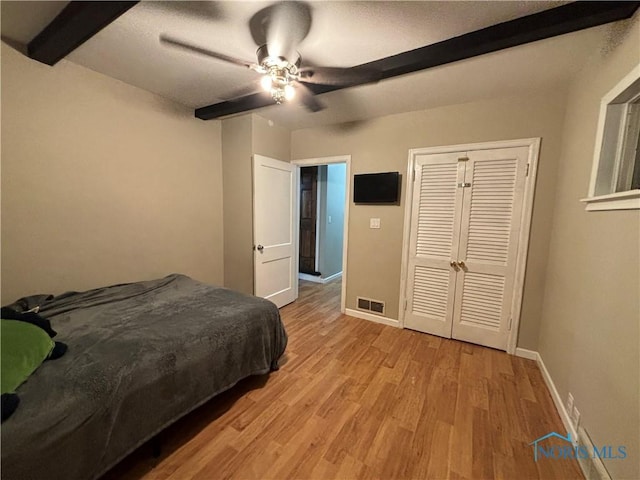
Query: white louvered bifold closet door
465,226
434,237
489,233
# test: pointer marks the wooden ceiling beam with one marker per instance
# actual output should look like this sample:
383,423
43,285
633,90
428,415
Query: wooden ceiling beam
567,18
531,28
74,25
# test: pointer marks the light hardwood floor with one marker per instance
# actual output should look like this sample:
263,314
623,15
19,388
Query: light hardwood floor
355,399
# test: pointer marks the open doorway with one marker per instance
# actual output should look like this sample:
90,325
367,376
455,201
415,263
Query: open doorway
322,203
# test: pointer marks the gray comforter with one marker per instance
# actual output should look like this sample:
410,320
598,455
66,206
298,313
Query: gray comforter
140,356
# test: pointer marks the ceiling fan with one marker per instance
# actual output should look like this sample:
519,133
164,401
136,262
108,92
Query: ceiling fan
278,29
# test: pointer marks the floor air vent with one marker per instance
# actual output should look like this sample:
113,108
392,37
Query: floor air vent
374,306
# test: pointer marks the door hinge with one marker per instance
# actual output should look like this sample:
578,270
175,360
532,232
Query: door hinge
413,175
464,184
527,170
510,322
405,303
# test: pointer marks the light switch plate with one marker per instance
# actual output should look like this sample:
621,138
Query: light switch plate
374,223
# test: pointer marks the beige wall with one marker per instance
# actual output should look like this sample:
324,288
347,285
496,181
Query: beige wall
374,256
238,208
102,182
331,183
269,139
589,335
242,137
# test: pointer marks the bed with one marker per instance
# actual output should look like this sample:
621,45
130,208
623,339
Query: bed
141,355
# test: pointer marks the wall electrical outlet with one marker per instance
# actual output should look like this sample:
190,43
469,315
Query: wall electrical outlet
570,404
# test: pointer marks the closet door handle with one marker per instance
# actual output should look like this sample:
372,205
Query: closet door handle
453,264
461,264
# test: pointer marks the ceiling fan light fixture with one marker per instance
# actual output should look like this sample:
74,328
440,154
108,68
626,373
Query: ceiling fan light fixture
278,74
281,89
267,59
266,82
289,92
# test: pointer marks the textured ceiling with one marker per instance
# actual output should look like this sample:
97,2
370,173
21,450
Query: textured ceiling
21,21
342,34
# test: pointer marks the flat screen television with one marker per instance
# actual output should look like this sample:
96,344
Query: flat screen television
376,187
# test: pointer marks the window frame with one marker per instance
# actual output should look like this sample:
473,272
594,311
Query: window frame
625,200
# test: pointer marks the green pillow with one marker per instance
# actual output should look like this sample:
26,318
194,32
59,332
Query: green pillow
24,348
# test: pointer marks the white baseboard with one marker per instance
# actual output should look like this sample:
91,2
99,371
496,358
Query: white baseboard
592,468
373,318
313,278
557,400
524,353
332,277
309,278
562,411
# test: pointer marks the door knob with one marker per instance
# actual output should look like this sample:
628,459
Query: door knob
453,264
260,248
461,264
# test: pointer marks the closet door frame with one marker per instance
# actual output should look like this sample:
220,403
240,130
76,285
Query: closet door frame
533,145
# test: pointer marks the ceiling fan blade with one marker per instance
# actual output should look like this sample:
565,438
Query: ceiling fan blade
306,97
204,51
282,26
343,77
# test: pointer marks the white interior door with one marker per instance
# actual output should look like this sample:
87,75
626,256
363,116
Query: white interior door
491,221
275,266
434,237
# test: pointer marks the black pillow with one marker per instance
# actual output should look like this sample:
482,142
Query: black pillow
29,317
9,404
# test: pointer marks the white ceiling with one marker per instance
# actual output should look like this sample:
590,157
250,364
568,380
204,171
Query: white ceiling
343,33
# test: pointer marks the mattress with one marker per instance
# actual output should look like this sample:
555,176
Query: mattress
141,355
